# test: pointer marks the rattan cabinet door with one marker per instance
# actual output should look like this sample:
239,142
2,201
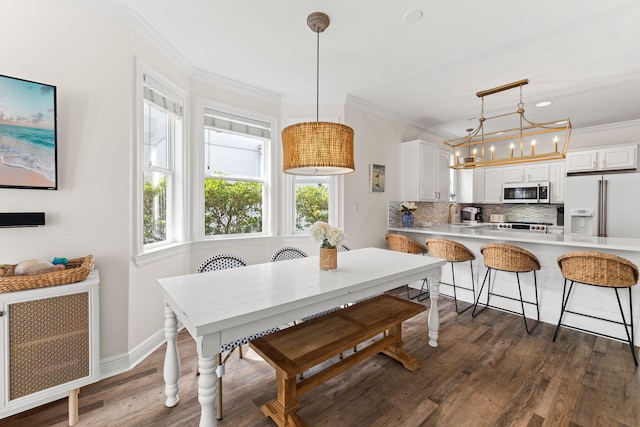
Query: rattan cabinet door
48,343
49,338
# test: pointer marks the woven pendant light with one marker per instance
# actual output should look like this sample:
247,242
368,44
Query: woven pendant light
317,148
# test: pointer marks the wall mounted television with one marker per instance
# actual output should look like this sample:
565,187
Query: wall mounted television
28,134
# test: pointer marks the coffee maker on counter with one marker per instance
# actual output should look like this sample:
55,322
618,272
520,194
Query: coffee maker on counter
471,215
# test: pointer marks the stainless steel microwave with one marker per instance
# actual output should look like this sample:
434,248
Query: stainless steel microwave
538,192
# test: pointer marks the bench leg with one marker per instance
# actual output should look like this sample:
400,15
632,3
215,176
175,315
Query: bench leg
395,350
283,410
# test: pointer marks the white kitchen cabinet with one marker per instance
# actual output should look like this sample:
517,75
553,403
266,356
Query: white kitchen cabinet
609,158
623,157
526,173
582,161
50,344
425,171
470,185
478,185
558,176
493,185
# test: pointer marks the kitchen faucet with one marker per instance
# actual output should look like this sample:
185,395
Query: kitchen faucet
450,216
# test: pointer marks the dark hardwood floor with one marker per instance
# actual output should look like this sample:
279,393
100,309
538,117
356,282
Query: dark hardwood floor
486,372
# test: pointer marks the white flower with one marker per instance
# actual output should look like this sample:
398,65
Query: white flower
408,207
329,236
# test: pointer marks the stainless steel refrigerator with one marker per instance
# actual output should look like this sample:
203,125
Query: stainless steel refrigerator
606,205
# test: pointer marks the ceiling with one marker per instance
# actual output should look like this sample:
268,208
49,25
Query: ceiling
582,56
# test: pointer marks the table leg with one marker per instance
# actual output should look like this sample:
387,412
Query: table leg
434,316
171,359
207,390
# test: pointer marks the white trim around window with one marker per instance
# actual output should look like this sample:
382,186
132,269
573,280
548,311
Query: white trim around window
271,152
178,206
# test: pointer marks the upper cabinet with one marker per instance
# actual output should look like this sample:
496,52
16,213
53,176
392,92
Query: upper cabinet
493,179
610,158
425,171
557,178
529,173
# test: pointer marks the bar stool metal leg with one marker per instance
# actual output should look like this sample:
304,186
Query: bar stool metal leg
455,296
535,285
475,306
628,327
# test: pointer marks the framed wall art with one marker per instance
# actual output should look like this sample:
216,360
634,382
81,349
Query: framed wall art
377,178
28,134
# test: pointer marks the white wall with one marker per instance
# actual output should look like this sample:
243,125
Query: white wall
89,61
377,141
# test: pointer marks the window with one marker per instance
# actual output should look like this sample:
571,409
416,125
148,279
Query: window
311,201
235,171
161,137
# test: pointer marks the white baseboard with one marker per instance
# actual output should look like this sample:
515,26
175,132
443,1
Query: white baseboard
125,362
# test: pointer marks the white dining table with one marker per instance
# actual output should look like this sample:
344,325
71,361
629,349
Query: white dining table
221,306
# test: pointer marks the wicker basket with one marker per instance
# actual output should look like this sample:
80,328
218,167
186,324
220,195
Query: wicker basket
449,250
401,243
77,270
597,268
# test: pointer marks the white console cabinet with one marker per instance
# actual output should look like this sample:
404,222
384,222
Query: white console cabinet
425,172
50,344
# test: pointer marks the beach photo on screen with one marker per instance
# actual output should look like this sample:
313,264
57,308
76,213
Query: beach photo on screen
28,152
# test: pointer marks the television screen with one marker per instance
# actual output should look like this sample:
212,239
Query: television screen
28,134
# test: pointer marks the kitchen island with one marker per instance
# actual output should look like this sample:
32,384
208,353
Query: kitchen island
547,248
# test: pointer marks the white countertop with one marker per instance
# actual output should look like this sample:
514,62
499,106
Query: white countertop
488,231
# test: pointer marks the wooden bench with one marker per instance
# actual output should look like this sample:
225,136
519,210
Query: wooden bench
296,349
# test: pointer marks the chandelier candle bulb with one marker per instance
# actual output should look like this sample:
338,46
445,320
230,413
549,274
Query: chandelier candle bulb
492,150
475,151
555,144
533,147
457,157
511,149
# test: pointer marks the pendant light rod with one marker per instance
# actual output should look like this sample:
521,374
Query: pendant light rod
318,77
318,22
502,88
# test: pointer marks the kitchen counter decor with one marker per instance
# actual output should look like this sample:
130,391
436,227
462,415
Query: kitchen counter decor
330,238
76,270
407,216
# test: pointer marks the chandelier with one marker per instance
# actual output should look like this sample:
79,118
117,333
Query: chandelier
518,140
317,148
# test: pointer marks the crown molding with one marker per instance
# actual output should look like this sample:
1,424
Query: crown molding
132,21
311,100
606,127
370,107
235,86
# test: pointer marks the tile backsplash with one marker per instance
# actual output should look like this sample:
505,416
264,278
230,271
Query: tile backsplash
437,213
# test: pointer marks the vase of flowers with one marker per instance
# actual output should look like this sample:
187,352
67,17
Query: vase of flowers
330,238
407,216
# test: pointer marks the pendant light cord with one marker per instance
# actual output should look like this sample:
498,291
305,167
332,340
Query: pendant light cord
318,76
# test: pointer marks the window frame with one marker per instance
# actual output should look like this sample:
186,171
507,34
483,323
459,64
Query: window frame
269,156
176,190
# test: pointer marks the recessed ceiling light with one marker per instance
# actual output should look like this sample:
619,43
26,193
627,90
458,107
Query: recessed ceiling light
412,16
543,104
